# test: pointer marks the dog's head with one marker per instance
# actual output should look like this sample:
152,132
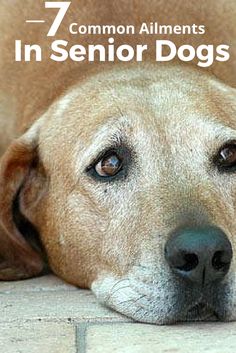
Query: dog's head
128,184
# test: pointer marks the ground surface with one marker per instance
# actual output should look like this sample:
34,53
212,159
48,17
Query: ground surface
45,315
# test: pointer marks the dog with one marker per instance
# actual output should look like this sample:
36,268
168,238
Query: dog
121,177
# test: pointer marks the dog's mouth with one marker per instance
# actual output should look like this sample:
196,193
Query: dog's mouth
202,312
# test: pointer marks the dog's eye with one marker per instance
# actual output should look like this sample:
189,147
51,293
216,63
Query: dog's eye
112,164
109,165
226,158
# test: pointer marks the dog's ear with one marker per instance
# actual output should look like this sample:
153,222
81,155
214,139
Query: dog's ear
22,183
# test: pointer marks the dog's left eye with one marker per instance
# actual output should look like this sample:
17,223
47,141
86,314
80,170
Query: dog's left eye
109,166
226,157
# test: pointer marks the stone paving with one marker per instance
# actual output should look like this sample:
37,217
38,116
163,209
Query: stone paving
45,315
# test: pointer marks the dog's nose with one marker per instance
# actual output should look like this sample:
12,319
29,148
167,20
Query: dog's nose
202,255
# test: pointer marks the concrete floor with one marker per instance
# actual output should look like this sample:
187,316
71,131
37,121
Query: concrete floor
45,315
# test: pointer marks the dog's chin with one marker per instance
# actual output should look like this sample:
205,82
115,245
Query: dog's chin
150,304
199,312
202,311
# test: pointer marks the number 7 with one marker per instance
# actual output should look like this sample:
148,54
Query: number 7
63,6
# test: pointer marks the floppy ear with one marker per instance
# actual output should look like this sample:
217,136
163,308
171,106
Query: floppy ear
22,183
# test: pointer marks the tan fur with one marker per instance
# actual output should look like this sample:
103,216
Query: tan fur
175,117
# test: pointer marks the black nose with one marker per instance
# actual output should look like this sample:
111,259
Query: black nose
202,255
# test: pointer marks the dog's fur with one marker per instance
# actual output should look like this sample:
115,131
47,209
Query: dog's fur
57,118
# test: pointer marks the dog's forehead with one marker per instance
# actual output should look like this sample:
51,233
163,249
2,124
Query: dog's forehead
156,110
166,95
147,109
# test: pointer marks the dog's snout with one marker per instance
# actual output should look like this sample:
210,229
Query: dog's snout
201,255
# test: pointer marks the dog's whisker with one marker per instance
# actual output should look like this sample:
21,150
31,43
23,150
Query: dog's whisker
138,310
132,300
114,286
117,290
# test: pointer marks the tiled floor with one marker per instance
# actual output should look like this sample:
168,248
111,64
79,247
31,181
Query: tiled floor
45,315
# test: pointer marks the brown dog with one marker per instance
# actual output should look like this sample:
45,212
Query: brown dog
122,177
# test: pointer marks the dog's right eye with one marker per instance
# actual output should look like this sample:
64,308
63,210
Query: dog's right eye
108,166
112,164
